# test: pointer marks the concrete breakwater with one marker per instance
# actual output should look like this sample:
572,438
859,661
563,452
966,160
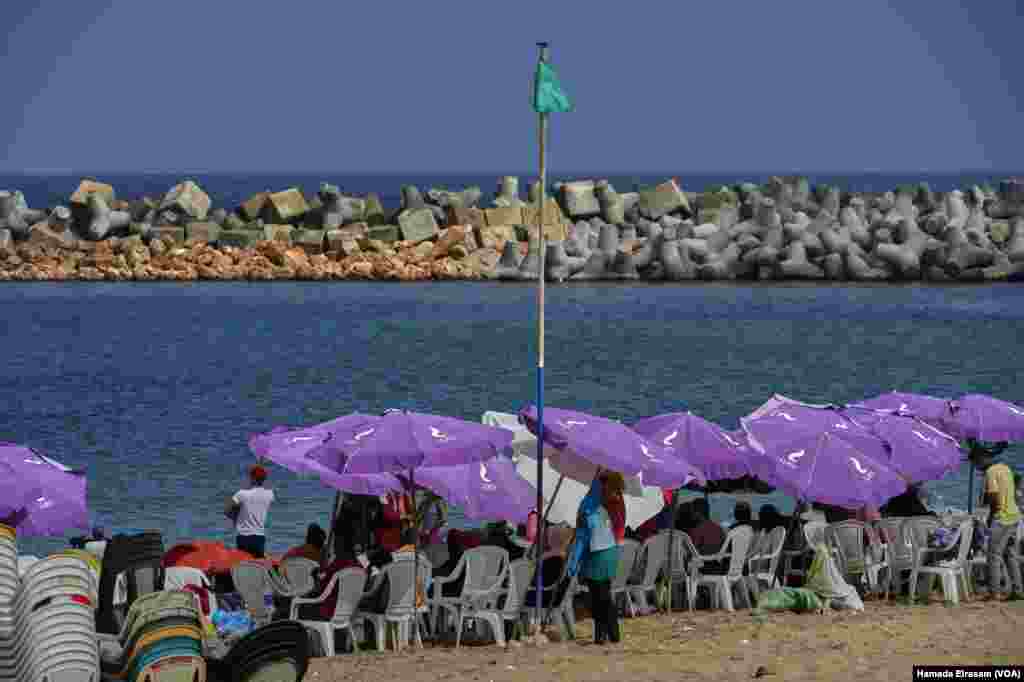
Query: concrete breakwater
782,230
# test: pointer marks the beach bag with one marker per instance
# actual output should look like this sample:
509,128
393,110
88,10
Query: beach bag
789,599
825,580
232,623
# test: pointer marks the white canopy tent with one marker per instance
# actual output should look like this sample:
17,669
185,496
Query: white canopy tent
568,478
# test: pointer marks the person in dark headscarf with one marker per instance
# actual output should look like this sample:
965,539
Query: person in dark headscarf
769,518
743,515
906,505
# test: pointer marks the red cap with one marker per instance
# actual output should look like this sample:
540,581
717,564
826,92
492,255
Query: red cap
258,473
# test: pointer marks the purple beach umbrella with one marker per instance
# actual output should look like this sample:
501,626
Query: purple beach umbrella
399,441
611,445
815,465
719,454
490,490
39,496
917,450
976,416
935,411
985,418
289,447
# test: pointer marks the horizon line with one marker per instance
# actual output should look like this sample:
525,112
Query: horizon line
498,173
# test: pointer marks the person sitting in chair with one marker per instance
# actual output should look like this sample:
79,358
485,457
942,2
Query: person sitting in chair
314,546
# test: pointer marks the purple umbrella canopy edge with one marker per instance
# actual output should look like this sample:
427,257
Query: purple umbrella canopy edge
42,496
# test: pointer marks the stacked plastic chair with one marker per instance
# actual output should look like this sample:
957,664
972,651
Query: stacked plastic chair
54,636
140,559
9,586
163,630
277,652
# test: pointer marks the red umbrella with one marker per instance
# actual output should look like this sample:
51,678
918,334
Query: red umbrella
209,556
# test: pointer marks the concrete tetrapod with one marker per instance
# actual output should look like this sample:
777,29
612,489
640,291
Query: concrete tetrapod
858,268
623,267
508,265
558,265
613,208
956,209
596,267
507,195
796,265
608,241
722,265
103,222
578,242
834,266
905,255
648,251
529,269
1015,242
10,217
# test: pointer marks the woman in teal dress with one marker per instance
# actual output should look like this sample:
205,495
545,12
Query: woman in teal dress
600,527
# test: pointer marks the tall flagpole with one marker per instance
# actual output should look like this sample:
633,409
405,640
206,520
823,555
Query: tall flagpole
540,356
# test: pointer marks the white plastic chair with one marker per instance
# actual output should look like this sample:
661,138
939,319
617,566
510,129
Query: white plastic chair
486,578
735,548
496,612
846,541
483,570
652,557
296,577
25,561
252,582
763,560
950,571
177,577
914,532
628,551
147,609
401,607
437,554
49,626
56,636
680,551
350,583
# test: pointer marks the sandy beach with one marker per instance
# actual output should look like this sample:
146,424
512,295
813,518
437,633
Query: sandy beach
882,643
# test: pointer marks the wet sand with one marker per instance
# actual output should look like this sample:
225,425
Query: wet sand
881,643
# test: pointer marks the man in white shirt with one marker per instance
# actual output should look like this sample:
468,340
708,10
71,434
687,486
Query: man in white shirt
248,509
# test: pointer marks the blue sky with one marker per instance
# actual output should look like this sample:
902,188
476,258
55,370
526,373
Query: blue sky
831,85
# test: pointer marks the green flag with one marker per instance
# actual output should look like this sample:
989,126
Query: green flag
548,95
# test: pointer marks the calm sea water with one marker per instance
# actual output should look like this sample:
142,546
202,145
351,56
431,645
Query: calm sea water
156,388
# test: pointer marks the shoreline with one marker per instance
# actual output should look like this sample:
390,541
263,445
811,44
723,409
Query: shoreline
781,231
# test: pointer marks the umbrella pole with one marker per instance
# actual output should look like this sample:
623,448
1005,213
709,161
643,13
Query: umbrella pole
415,562
671,545
970,490
328,553
554,496
789,532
